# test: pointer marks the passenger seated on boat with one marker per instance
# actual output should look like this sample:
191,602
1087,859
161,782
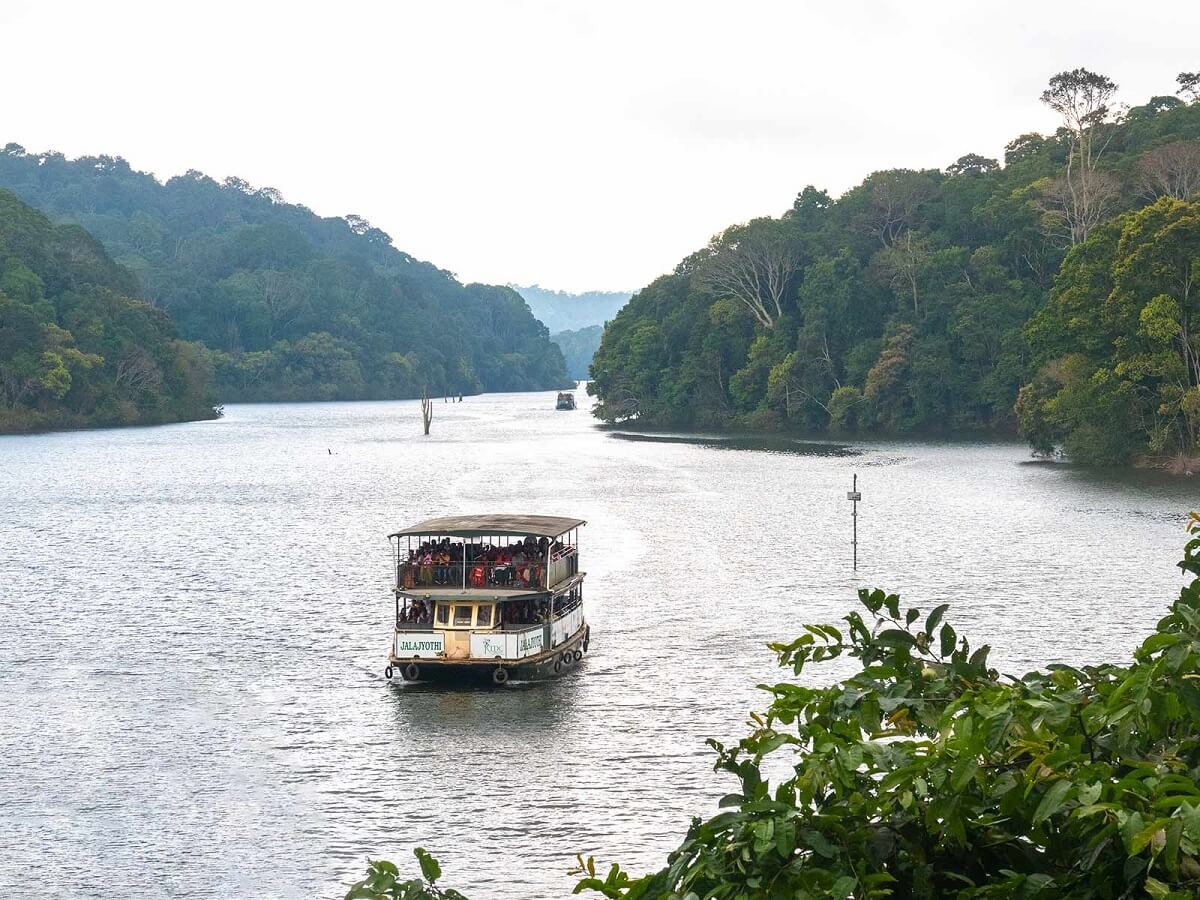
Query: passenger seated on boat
419,613
408,576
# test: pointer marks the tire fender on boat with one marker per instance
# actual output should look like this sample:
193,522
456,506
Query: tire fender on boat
578,654
387,673
412,672
557,666
567,659
499,675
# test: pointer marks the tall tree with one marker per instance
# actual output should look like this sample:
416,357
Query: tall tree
753,264
1172,170
1083,195
1189,85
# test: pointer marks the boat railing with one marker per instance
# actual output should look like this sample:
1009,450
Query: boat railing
424,625
482,574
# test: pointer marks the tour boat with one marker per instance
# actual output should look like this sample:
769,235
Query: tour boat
566,400
488,596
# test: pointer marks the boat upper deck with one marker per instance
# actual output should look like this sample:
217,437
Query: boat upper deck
500,555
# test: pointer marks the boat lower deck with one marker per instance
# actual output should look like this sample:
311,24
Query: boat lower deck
546,664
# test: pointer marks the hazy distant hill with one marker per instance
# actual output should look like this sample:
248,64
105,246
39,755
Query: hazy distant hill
560,311
290,305
578,347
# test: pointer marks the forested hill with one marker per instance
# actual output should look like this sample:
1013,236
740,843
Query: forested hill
76,348
578,347
562,311
909,302
290,305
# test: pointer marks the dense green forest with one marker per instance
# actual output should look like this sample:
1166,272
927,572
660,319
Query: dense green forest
76,347
289,305
563,311
578,347
925,300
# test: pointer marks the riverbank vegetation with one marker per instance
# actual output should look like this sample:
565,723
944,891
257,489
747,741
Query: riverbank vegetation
925,300
77,347
929,774
289,305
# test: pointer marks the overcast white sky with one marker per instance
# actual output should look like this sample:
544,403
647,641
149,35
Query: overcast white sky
581,146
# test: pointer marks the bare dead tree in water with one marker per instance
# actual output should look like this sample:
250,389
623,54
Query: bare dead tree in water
426,409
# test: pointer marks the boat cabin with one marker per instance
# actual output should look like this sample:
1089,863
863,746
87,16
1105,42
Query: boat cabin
500,592
566,400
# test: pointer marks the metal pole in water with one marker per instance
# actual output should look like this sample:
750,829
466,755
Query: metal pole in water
854,496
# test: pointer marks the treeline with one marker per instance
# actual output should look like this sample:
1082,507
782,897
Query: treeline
925,300
290,305
76,346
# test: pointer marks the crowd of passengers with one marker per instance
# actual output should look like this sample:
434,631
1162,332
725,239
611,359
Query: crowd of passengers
513,565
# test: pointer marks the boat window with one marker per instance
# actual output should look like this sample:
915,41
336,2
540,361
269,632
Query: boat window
462,615
484,616
443,615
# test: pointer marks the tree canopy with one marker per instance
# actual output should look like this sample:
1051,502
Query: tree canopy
290,305
906,304
1118,342
76,345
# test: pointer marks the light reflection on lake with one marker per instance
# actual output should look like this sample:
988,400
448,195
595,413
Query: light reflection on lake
196,622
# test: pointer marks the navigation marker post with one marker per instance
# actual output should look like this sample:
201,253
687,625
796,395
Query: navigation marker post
854,496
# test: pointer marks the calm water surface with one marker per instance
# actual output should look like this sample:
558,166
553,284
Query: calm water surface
195,620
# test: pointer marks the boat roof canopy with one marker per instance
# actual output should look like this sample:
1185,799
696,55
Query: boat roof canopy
495,523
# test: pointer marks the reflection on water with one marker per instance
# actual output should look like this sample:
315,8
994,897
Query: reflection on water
196,627
764,443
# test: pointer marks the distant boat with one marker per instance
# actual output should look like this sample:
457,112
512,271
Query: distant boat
497,596
566,400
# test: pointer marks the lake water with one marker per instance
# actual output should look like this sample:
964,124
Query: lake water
196,621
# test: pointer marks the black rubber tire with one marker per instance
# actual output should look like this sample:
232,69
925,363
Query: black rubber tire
567,659
578,654
499,675
557,666
387,673
411,672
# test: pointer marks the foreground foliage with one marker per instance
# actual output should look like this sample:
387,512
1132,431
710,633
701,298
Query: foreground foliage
903,304
929,774
383,882
290,305
76,345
